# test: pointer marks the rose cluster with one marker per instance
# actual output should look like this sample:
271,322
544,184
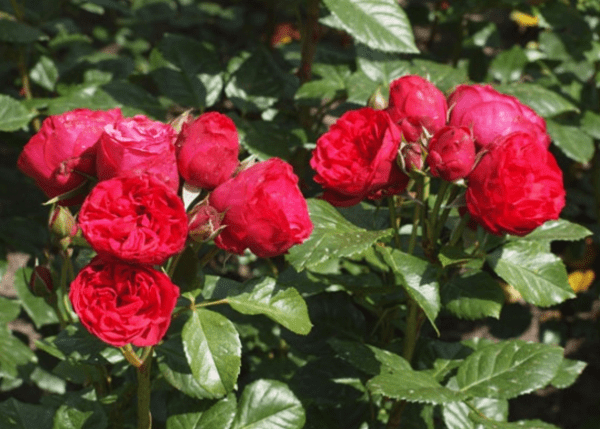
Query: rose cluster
494,143
134,218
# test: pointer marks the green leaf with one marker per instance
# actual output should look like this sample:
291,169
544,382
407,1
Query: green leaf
545,102
284,306
567,373
419,279
332,83
508,65
9,310
538,275
45,73
192,75
13,115
590,123
560,229
191,414
443,76
508,369
473,296
333,237
213,349
39,311
522,424
19,32
398,380
80,411
19,415
574,142
268,404
76,342
379,24
360,88
13,354
379,66
456,414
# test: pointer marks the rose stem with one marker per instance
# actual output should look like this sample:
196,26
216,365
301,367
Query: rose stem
143,376
436,210
394,221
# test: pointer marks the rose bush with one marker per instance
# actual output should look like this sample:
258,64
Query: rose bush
490,114
64,147
138,145
416,104
451,153
122,303
264,210
356,158
515,187
207,150
135,219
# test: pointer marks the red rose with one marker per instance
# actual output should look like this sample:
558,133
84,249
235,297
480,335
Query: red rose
451,153
515,187
490,114
138,145
64,146
122,303
135,219
264,210
356,158
415,103
207,150
204,222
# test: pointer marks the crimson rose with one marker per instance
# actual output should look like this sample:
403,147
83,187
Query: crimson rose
135,219
65,146
207,150
138,145
122,303
490,114
356,158
415,104
516,186
451,153
264,210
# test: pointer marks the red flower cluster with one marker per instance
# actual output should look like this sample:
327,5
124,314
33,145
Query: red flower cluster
133,217
492,140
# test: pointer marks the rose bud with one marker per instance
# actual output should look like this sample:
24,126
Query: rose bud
451,153
377,101
411,156
62,223
416,105
356,158
490,114
204,222
41,283
264,210
515,187
207,150
61,155
136,146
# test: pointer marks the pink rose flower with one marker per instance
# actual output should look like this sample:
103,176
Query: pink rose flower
64,147
138,145
451,153
264,210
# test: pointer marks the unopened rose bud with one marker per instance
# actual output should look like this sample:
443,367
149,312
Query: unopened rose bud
41,283
412,157
451,153
62,223
377,100
204,222
185,117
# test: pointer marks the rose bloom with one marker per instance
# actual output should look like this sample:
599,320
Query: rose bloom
65,146
122,303
207,150
516,186
138,145
134,219
416,104
264,210
451,153
490,114
356,158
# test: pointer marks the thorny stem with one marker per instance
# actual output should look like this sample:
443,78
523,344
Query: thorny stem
143,376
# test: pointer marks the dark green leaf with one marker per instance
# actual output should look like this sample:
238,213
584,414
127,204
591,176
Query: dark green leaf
508,369
418,277
19,415
13,115
81,411
45,73
268,404
19,32
13,354
9,310
590,123
473,296
266,139
545,102
538,275
560,229
575,143
443,76
39,311
379,24
360,88
76,342
567,373
456,414
379,66
282,305
333,237
523,424
213,350
192,414
331,83
508,65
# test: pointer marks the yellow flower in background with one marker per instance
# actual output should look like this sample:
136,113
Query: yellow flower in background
581,280
524,19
